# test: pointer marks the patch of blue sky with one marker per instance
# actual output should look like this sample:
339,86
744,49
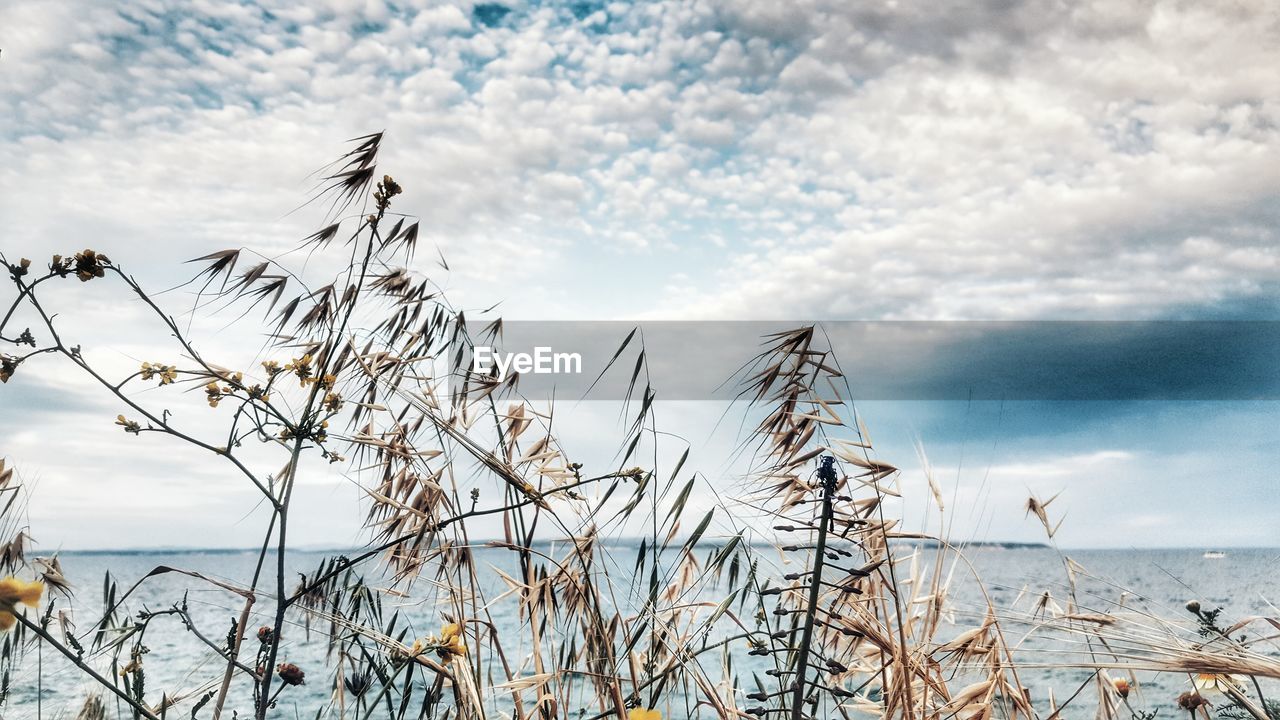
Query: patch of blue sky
122,46
365,27
1129,136
166,30
1263,305
149,22
490,14
225,50
396,75
1043,425
582,11
205,97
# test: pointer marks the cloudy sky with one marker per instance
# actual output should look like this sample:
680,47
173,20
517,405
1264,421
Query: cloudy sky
678,159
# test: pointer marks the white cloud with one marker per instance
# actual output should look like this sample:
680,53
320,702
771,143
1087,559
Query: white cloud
738,159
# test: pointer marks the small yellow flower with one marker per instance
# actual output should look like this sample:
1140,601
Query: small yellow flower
19,592
15,592
214,393
302,368
451,644
129,426
272,368
166,373
644,714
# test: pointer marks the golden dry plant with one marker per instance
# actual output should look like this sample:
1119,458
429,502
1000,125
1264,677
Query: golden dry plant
832,611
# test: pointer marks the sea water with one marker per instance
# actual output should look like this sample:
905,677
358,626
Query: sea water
1244,583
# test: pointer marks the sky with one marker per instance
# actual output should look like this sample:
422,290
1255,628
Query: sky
679,160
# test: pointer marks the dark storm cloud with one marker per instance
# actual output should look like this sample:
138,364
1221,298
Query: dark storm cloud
1014,361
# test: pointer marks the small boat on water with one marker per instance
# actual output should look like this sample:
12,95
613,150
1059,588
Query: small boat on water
1214,555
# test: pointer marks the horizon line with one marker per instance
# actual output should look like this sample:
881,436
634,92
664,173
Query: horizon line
987,544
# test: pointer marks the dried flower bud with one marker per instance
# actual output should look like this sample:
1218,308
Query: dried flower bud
88,264
290,674
1191,701
1193,607
265,634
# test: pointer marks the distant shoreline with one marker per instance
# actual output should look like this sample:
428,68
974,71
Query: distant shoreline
634,542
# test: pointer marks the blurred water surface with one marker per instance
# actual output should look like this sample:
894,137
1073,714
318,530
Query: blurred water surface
1244,583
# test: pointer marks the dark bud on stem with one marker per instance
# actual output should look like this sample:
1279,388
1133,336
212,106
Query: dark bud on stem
290,674
1191,701
358,683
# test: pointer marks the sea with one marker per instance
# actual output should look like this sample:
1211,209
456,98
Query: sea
1243,583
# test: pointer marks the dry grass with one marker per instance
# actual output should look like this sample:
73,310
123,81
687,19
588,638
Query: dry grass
840,614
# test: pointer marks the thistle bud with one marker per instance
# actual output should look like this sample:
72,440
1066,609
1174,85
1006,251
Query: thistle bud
1191,701
1122,686
358,683
290,674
